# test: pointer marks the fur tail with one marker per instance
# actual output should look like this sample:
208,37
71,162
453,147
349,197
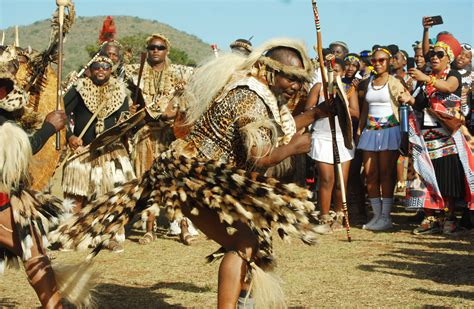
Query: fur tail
266,289
75,282
103,218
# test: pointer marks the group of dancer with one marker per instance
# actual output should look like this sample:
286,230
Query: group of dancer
202,149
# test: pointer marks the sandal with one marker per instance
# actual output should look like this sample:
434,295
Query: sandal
147,238
185,237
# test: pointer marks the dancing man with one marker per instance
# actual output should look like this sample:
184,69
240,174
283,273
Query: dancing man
213,175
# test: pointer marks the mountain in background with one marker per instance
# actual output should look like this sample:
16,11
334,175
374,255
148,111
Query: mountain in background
85,32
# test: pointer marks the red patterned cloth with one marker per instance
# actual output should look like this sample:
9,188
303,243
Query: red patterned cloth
4,200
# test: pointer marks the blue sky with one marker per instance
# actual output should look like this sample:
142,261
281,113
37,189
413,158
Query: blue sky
360,23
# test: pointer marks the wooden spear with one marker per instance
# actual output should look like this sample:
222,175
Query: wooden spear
61,5
332,124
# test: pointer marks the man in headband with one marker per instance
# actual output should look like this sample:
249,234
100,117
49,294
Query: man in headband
241,46
114,51
28,216
101,100
161,85
214,175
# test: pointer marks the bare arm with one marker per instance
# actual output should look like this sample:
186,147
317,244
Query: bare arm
313,96
426,21
308,117
354,105
448,86
300,143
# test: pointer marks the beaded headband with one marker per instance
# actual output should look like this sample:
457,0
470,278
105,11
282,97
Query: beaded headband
447,48
383,50
104,59
352,59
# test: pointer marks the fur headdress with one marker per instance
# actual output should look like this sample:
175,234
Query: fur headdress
242,43
16,97
159,36
211,77
259,56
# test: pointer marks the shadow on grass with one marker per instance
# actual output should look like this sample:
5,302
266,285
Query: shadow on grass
454,294
444,262
119,296
8,303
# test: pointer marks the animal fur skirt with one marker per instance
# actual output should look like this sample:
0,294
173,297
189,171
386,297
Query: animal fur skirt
34,215
94,174
175,181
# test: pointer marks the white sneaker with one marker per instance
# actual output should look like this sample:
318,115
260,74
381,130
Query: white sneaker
368,225
382,224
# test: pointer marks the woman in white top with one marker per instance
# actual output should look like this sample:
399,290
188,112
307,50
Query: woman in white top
322,152
380,137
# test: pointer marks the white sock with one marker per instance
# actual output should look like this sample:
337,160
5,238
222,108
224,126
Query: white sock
387,203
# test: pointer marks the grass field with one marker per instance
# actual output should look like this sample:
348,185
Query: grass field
394,269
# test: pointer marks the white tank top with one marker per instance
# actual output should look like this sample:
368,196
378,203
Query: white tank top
379,100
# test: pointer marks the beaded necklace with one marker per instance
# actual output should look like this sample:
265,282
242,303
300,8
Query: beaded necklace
376,88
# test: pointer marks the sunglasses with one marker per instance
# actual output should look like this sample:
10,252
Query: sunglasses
466,47
101,65
159,47
378,60
439,54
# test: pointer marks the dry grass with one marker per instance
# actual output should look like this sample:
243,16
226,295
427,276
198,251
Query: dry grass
393,269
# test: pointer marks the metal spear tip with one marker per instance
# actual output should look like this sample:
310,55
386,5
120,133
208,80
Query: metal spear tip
63,2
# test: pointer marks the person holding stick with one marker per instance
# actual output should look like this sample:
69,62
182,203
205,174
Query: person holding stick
214,175
161,85
322,153
27,216
95,104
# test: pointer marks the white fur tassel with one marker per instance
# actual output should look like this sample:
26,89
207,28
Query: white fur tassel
15,158
266,289
75,282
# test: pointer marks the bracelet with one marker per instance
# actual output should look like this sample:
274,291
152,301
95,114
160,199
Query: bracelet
432,81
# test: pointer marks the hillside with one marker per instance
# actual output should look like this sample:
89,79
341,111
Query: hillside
85,32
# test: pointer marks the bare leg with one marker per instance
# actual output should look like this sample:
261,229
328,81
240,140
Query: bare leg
38,267
371,170
185,236
387,163
233,268
338,194
150,222
326,185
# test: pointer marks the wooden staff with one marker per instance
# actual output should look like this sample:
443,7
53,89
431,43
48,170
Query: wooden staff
17,37
332,124
140,72
61,4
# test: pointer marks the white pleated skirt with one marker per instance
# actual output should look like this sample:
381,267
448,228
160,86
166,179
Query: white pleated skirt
321,150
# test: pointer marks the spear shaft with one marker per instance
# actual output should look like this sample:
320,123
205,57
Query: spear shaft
332,122
61,5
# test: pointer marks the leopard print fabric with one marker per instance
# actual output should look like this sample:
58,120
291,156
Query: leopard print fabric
159,88
15,100
217,134
113,93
